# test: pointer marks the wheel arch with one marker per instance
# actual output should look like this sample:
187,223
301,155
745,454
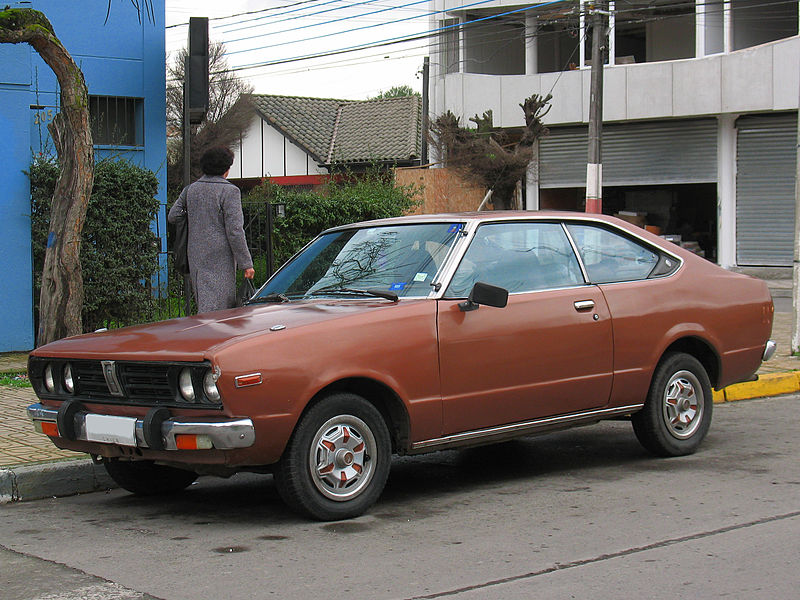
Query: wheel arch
702,351
382,397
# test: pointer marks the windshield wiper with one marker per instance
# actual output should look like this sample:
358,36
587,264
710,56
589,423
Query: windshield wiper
273,297
370,292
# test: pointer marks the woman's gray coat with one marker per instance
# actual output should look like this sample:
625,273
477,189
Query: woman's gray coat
217,245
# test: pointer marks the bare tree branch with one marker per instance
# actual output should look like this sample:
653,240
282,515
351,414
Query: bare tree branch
487,155
145,6
229,112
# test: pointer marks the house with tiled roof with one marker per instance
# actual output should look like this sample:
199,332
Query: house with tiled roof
298,141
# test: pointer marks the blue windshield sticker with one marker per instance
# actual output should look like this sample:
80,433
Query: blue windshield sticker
455,227
397,286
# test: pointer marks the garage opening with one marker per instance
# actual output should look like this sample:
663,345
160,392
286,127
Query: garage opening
684,213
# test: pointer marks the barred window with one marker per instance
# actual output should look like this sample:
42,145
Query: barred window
117,121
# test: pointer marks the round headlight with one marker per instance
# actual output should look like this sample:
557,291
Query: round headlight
49,382
210,386
185,384
69,382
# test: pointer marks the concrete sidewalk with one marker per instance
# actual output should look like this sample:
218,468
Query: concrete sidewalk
32,467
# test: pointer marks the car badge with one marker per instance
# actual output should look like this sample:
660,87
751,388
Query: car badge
110,374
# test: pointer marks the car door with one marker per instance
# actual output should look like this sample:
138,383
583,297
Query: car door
548,352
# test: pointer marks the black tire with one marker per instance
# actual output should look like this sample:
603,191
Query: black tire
337,460
145,478
677,413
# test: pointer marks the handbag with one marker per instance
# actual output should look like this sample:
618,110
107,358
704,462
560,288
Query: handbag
246,291
180,247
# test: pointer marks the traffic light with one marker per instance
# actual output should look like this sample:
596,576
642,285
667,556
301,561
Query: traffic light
197,69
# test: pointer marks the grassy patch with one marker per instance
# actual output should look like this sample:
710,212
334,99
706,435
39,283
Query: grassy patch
15,379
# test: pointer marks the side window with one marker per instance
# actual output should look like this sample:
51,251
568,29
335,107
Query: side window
610,257
519,257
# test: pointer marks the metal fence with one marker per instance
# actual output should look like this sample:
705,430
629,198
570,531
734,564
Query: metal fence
169,287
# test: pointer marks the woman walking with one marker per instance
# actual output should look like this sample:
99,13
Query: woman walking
217,244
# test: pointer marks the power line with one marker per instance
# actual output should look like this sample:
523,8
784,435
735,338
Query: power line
478,2
389,41
250,12
719,7
340,19
305,15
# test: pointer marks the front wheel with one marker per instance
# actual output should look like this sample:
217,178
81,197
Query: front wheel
337,461
677,413
146,478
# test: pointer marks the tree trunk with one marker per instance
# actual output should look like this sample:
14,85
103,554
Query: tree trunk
61,299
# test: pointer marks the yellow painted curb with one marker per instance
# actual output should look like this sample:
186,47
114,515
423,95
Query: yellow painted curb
771,384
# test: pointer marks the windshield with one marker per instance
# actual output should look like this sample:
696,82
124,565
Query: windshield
402,259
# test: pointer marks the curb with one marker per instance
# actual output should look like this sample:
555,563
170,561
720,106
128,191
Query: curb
47,480
771,384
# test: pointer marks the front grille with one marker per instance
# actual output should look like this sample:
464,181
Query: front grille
89,379
142,383
145,381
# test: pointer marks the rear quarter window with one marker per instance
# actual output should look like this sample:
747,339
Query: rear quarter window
611,257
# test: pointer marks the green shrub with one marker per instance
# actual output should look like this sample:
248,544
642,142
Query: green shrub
119,251
347,199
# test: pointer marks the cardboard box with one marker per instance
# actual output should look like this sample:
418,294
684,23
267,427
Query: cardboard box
638,219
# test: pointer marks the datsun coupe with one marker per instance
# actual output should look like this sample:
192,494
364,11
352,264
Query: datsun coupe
405,336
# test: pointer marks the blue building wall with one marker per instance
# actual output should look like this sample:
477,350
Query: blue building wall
121,58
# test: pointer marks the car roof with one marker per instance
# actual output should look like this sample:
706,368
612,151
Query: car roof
484,216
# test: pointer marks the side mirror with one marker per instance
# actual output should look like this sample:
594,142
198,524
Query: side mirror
483,293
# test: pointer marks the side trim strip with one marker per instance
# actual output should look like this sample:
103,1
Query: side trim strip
518,429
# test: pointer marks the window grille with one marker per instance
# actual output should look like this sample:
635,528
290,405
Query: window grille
117,121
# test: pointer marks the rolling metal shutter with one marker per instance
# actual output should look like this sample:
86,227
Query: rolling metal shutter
651,153
766,157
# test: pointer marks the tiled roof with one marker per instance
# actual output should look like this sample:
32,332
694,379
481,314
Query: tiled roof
377,130
307,121
344,131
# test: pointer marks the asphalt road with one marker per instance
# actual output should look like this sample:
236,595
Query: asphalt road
578,514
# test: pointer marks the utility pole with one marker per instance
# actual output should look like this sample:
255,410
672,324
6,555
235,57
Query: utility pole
187,171
796,264
594,165
195,105
426,69
187,125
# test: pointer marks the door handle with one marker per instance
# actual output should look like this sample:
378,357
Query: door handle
584,304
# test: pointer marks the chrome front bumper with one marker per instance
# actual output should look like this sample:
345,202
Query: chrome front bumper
769,350
225,434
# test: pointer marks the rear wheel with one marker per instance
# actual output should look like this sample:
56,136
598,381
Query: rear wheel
145,478
677,413
337,461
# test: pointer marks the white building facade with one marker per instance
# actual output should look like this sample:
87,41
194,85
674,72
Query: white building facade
700,106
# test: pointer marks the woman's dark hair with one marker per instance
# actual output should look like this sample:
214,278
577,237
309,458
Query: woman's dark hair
216,160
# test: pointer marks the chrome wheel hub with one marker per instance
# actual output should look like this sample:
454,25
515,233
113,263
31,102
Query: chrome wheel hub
683,404
340,460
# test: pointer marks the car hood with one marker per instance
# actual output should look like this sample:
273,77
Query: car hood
199,336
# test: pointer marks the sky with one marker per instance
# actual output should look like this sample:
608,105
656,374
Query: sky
297,28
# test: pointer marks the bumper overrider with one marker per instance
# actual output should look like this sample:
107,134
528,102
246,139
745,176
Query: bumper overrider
158,430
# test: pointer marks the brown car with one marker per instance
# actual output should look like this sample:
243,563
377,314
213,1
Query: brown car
406,336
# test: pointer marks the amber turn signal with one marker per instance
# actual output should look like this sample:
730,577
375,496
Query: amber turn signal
191,441
49,428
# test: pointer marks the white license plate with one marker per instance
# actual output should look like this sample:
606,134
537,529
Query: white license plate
111,430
